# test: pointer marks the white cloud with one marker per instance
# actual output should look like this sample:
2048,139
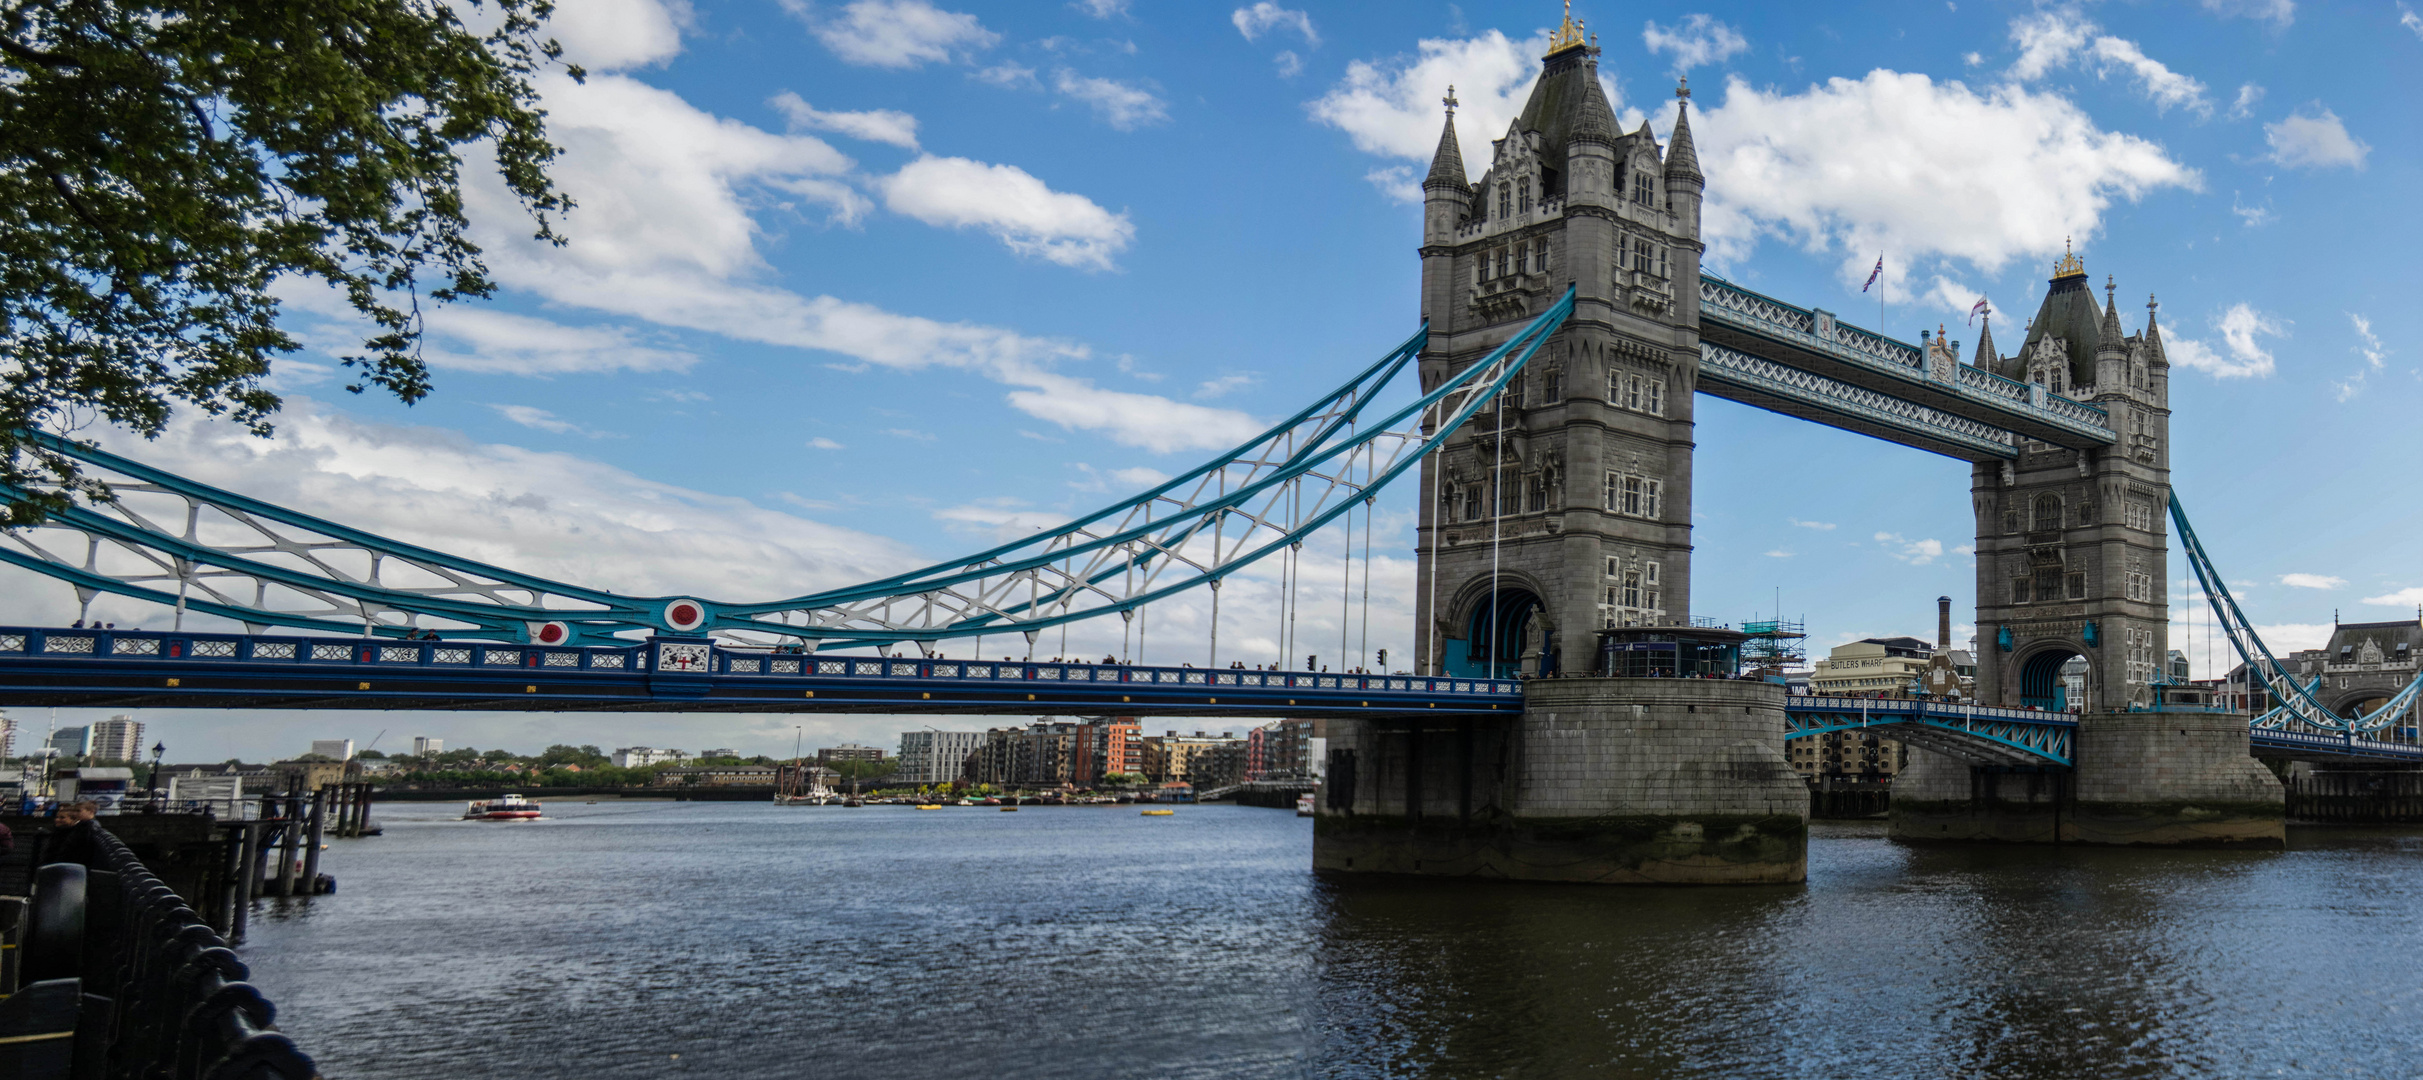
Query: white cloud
1914,552
2278,12
999,520
910,433
1009,76
1696,41
615,35
1004,200
1290,65
1779,554
2168,88
1821,526
496,342
2248,95
2052,39
897,33
1391,108
1264,17
2047,40
1131,479
822,443
2406,597
530,416
874,125
667,234
1973,59
1982,178
2240,328
2253,215
2408,19
2312,581
2314,139
2372,350
1101,9
1225,384
1121,106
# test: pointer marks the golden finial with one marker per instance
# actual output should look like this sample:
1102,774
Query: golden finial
1570,35
2069,266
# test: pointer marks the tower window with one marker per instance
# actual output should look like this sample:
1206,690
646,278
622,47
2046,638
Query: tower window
1505,200
1535,494
1523,196
1552,386
2047,516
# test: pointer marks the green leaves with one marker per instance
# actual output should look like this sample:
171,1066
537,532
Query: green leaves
163,166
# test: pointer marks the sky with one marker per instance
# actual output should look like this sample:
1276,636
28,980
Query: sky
852,287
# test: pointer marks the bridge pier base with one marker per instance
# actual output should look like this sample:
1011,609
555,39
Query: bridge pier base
2143,779
1604,781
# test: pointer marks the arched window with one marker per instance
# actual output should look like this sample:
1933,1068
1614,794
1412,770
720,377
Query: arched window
2047,513
1505,200
1523,196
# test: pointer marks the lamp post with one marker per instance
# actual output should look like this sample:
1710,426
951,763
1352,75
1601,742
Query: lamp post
158,750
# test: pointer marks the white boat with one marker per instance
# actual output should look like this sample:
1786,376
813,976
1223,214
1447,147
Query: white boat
1304,805
502,808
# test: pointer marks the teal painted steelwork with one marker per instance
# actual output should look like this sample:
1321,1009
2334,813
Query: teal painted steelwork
1334,442
2006,736
2297,701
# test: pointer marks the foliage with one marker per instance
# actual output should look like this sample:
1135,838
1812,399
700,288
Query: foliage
864,770
167,166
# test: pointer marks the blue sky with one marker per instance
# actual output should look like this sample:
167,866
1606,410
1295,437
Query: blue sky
858,285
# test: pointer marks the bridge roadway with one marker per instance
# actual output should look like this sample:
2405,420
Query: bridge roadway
128,669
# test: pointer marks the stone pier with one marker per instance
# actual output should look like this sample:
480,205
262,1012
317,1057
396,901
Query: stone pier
2150,779
1607,781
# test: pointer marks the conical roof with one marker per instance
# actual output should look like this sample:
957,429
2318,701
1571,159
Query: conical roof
1447,165
1594,122
1565,92
1985,345
2153,331
2070,313
1682,159
2112,338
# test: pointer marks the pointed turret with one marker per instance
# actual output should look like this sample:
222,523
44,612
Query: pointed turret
1682,160
2113,340
2153,330
1985,358
1595,121
1447,165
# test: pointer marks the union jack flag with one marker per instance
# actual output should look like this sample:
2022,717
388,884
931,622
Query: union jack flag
1876,273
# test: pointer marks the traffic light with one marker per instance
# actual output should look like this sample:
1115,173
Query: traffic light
1312,662
1383,660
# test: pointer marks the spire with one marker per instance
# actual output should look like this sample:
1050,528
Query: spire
1986,357
1447,166
2113,340
1682,160
2153,330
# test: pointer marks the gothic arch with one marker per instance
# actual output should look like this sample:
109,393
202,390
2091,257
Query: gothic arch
2031,675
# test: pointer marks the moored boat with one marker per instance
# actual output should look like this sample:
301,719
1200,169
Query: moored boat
502,808
1304,805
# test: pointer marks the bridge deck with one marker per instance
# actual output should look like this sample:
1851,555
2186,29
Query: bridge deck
147,669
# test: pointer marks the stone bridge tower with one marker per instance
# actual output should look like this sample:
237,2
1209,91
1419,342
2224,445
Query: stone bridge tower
2071,543
1566,507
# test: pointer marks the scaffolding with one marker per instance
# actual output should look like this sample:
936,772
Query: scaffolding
1774,650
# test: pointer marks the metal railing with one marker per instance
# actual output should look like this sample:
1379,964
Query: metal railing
119,977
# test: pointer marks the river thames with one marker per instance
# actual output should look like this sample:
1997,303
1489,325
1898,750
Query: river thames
642,939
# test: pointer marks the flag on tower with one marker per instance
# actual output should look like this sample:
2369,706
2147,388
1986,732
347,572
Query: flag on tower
1876,273
1979,306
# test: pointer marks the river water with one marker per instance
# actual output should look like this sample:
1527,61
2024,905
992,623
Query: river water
645,939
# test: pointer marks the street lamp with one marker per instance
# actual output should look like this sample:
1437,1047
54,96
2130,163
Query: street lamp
158,750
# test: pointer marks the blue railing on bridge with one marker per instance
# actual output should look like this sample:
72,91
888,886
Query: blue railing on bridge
185,654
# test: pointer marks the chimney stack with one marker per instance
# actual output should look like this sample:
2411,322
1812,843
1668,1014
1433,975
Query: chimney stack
1943,624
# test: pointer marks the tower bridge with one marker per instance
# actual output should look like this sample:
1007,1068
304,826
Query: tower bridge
1566,716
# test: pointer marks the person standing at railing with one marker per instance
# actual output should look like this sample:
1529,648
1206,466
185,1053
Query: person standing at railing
71,839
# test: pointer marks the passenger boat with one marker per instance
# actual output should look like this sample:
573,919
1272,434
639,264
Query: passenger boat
1304,805
1158,813
503,808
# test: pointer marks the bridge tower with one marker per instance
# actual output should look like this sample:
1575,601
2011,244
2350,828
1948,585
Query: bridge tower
2071,562
1569,500
1562,510
2071,544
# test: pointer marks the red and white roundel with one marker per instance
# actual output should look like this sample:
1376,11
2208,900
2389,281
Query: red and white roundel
551,633
685,615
